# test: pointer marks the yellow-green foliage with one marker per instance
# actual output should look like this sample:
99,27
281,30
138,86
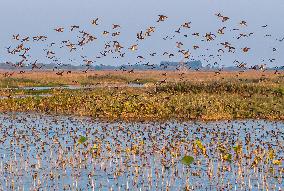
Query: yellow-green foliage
213,102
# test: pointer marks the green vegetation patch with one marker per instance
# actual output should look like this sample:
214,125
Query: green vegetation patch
179,101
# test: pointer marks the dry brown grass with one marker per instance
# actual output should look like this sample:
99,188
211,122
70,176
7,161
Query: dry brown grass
80,78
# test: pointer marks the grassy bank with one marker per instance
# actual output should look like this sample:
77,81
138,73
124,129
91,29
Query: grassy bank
184,101
49,78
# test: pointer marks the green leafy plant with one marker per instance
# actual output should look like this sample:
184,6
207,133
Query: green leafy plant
187,160
82,140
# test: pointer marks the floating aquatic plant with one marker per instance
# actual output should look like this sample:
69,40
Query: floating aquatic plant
187,160
82,140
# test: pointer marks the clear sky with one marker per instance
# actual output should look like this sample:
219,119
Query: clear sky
40,17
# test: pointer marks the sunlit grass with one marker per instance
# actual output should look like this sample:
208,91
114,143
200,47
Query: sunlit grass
49,78
148,104
215,99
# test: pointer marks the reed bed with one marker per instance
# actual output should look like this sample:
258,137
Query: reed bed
184,101
49,78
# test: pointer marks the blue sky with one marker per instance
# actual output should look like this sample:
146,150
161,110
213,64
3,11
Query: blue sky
40,17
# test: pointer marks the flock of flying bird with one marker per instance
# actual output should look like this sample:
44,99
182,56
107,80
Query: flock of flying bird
117,50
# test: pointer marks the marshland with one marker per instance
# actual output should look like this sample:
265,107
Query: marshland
141,95
225,134
204,96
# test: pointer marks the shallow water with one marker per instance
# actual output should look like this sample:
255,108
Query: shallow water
74,87
42,152
69,87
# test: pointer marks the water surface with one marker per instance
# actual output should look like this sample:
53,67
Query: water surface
43,152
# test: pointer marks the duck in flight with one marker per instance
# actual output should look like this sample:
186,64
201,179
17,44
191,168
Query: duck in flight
162,18
243,23
60,29
95,22
73,27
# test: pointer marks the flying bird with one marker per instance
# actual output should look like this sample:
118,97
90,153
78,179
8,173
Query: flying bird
95,22
162,18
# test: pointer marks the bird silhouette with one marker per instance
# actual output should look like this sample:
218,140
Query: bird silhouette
95,22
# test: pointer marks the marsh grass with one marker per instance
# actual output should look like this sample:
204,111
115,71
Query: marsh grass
12,82
223,87
254,95
147,104
49,78
44,79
